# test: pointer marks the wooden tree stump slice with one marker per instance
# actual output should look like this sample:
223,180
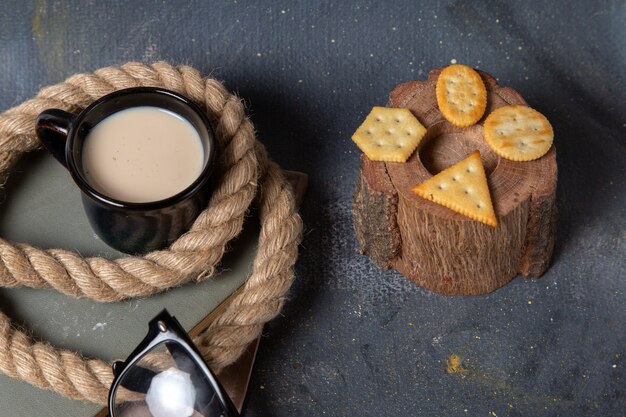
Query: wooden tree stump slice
434,246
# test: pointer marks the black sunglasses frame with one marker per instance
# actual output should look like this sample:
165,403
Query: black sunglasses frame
164,328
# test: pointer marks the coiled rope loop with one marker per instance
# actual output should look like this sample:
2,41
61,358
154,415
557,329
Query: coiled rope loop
243,173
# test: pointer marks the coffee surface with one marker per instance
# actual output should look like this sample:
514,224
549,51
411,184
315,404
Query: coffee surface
142,154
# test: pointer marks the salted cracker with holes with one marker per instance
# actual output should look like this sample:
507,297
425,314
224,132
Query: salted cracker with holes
389,134
461,95
463,188
518,133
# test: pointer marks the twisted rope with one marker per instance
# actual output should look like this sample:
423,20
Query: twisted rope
243,173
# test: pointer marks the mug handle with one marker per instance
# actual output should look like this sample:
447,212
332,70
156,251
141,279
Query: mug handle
52,128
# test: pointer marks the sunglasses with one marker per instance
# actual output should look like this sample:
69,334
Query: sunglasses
165,376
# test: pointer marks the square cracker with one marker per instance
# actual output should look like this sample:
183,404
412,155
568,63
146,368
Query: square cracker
389,134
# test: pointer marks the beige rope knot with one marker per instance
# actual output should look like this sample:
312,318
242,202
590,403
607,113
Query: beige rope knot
243,172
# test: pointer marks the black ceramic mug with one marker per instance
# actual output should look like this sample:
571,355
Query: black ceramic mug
130,227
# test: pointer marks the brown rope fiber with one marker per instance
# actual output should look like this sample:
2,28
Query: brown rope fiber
243,173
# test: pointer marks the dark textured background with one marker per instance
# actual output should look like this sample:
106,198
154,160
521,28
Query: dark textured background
354,339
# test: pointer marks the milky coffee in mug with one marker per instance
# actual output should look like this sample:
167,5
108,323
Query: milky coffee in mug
142,154
142,159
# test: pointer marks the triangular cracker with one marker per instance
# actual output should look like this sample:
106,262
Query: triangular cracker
462,188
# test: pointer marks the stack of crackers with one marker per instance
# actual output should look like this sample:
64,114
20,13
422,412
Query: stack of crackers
518,133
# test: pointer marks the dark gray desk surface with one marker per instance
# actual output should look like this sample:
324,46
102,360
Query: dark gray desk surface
354,339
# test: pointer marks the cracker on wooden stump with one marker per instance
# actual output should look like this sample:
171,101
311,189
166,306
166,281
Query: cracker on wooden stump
463,188
518,133
389,134
461,95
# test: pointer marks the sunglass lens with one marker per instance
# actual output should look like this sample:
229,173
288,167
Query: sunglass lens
166,382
